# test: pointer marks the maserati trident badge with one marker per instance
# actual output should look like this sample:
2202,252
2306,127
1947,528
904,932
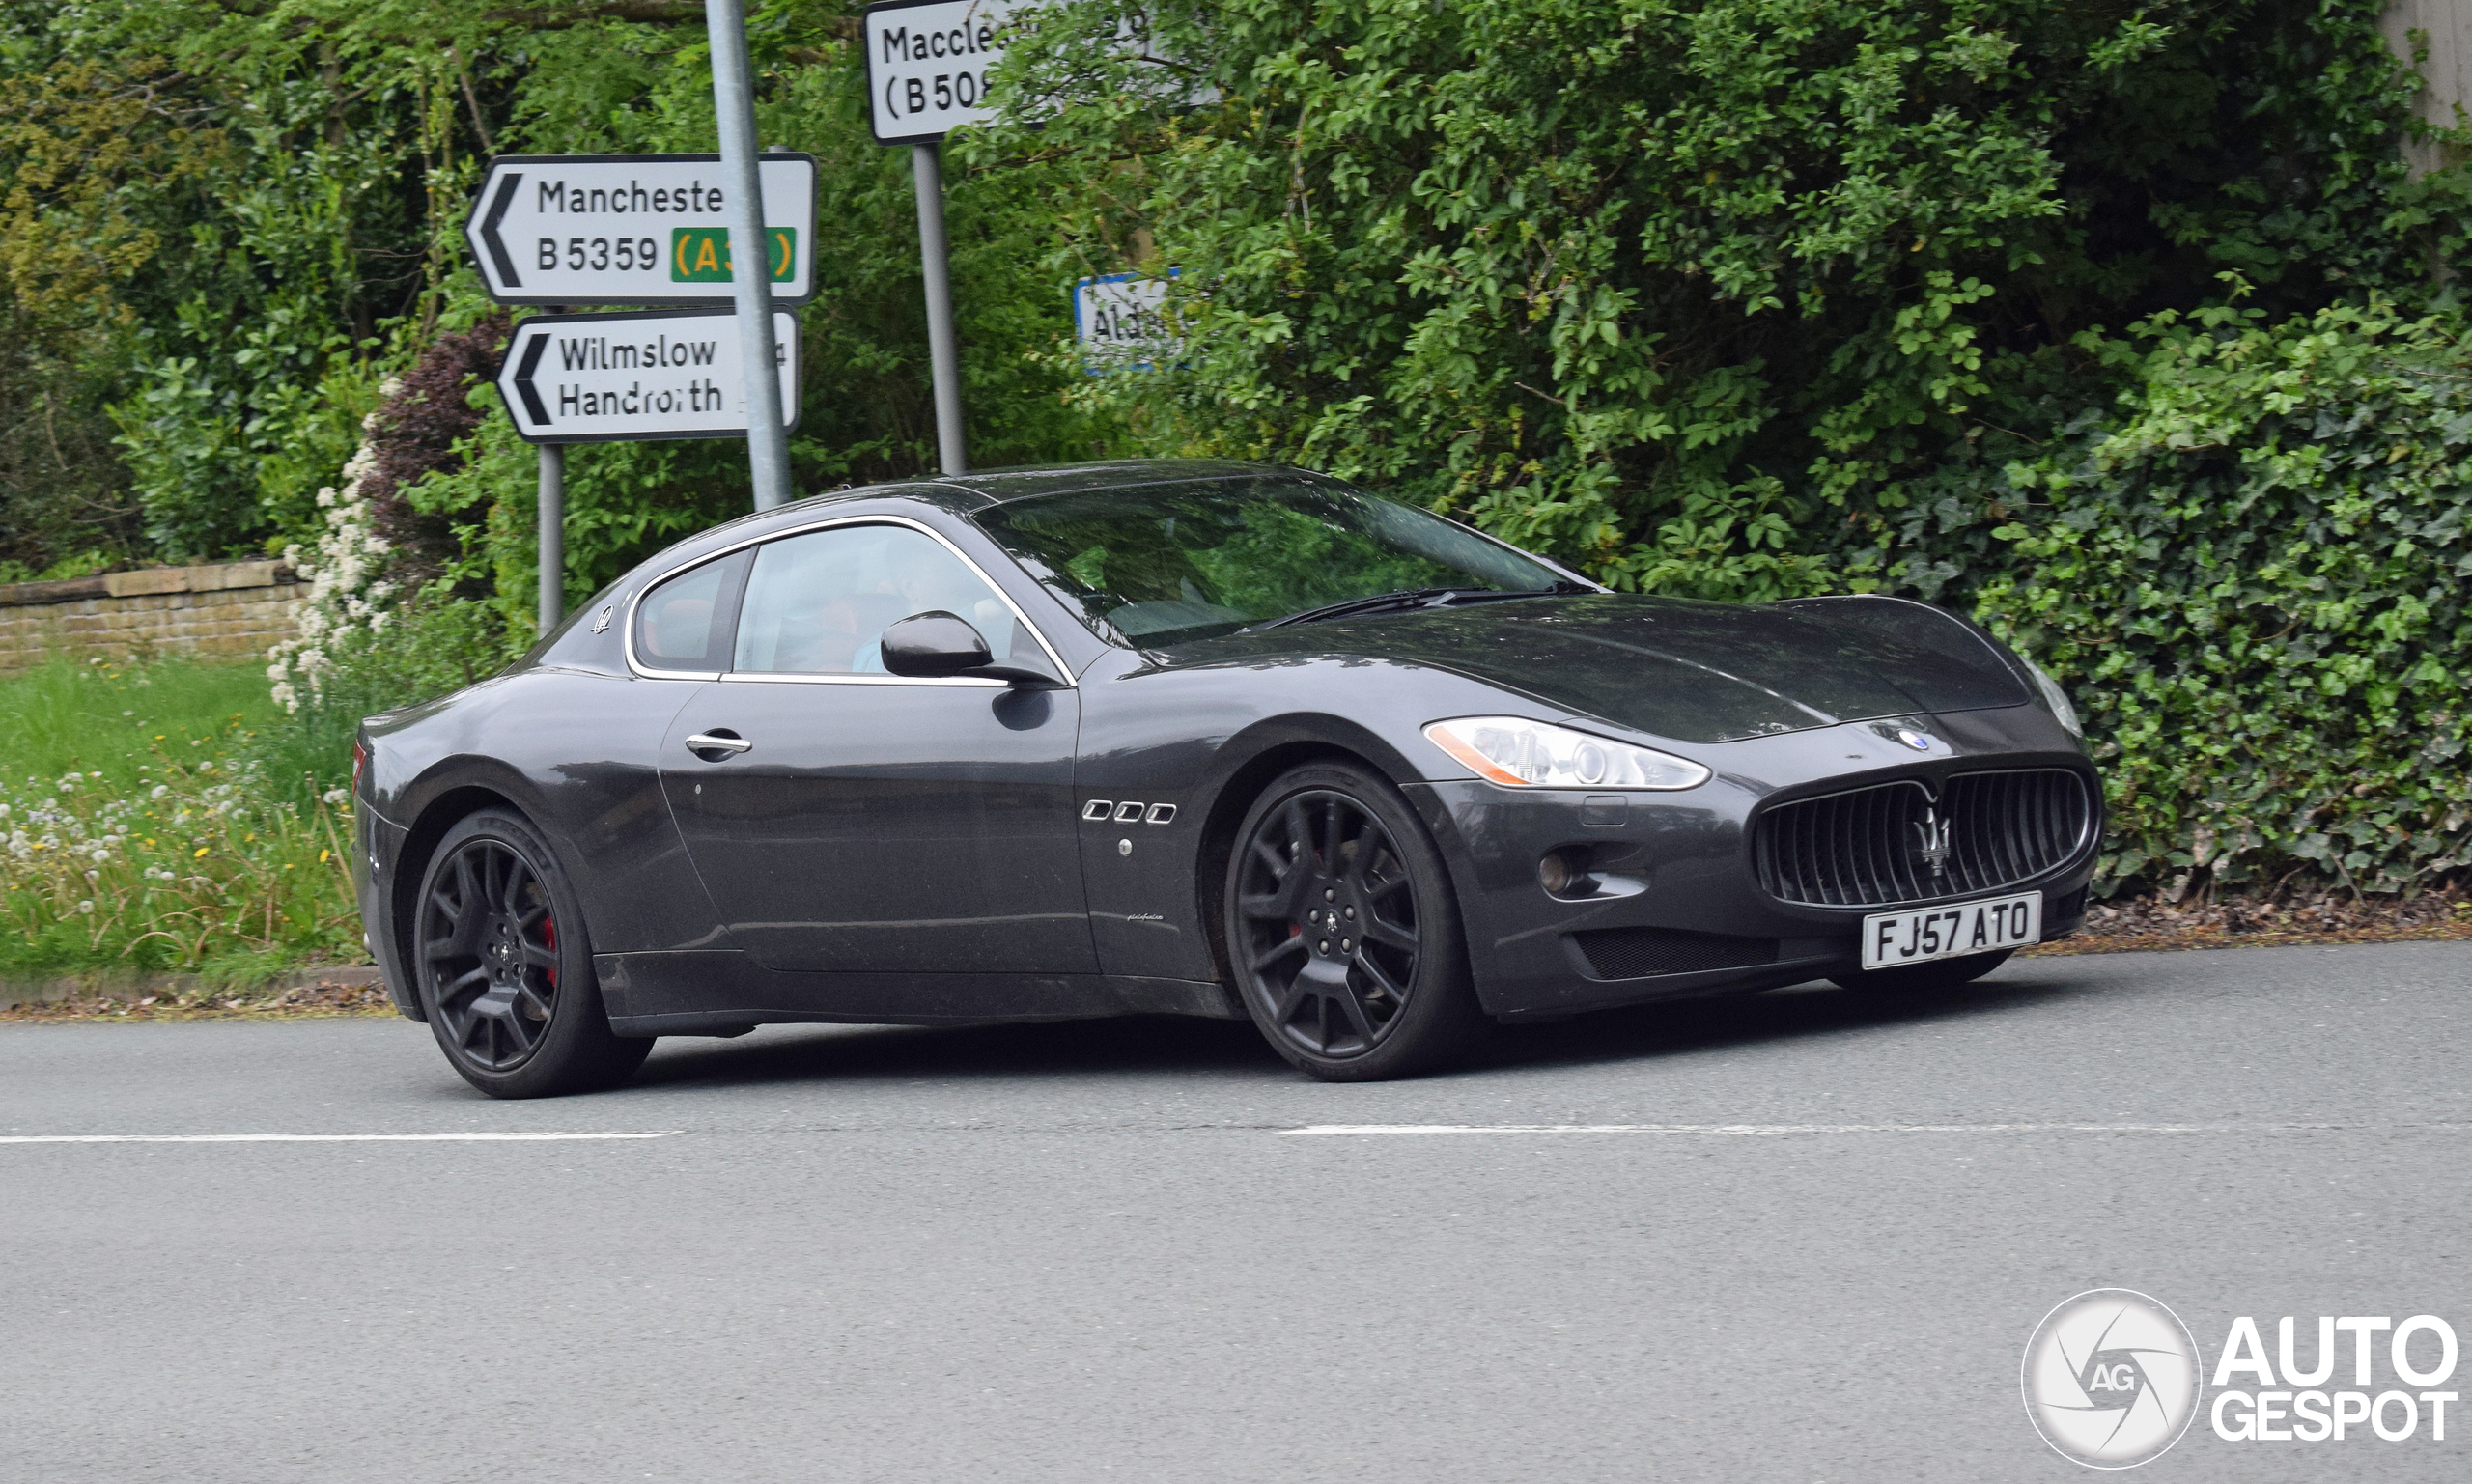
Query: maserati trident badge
1932,833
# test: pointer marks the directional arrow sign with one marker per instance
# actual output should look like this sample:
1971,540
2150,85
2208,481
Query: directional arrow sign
632,229
659,373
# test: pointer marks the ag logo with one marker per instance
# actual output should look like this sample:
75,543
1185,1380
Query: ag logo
2111,1379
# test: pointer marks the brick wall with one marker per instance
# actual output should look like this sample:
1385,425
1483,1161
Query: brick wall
233,611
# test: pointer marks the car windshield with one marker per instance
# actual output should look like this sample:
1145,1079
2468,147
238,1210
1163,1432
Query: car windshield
1165,565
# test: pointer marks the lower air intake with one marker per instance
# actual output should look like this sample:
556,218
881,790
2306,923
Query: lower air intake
1643,953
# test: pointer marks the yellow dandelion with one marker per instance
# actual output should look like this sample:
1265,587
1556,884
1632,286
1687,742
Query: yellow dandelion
199,854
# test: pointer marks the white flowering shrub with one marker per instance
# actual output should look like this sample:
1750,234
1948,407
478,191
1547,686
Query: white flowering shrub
347,586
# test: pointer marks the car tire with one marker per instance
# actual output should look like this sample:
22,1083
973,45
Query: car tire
1924,978
502,963
1342,933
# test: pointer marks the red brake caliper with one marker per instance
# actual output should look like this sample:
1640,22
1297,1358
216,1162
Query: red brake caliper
549,936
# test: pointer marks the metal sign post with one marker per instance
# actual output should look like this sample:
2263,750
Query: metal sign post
768,443
943,351
553,535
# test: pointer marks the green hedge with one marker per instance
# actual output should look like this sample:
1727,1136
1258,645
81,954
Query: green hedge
2254,580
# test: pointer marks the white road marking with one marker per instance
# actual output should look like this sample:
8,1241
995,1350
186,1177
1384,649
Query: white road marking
1328,1130
314,1138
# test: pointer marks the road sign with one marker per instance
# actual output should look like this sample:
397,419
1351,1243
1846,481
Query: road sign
927,64
657,374
632,229
1116,319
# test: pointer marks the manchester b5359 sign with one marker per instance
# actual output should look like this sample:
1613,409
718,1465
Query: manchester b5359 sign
633,228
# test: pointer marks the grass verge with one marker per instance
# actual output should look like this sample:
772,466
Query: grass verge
90,719
161,843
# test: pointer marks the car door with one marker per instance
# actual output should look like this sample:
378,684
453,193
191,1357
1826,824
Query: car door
856,821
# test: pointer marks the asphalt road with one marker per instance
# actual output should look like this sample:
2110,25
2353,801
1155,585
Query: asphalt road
1093,1251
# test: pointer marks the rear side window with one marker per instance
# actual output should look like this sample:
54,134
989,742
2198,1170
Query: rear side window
684,623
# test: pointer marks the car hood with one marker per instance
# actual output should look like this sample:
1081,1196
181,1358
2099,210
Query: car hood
1675,667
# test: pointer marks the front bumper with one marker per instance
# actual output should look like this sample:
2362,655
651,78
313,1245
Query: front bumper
1674,906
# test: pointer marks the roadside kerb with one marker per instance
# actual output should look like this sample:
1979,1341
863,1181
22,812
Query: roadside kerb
133,988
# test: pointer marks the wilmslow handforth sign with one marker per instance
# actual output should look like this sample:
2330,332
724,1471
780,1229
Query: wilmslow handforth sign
659,373
633,228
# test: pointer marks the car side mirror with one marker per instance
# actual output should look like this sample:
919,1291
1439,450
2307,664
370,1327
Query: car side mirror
935,645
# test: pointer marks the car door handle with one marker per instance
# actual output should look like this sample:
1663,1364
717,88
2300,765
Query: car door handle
726,743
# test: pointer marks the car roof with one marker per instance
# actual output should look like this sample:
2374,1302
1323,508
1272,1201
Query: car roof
1002,487
967,494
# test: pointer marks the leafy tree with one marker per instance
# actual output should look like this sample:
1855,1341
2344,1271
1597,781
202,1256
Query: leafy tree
1701,296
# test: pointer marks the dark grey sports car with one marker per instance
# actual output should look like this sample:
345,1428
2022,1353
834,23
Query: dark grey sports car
1195,739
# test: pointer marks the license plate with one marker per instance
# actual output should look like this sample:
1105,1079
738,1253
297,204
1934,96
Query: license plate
1893,938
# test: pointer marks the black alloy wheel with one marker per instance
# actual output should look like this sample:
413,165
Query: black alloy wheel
504,971
488,945
1342,932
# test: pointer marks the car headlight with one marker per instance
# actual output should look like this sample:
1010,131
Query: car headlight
2056,698
1522,754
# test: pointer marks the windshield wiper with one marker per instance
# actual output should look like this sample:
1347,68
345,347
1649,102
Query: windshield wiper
1411,598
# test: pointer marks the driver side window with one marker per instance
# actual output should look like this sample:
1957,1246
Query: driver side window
819,604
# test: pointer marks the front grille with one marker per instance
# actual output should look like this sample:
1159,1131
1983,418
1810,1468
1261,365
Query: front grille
1875,846
1640,953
